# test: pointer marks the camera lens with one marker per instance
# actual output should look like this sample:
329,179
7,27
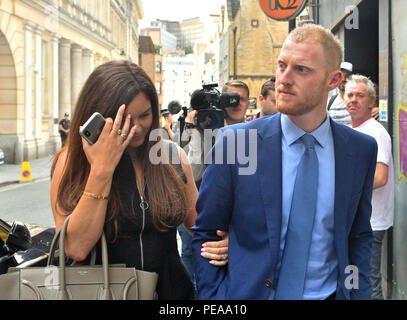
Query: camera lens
210,119
87,133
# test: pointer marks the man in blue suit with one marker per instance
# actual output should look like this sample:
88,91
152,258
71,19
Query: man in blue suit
255,205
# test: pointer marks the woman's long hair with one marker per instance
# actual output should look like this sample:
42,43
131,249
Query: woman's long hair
107,88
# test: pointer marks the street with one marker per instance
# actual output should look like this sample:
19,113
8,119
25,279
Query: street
27,202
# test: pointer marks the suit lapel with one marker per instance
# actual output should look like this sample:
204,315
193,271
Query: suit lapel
344,167
270,177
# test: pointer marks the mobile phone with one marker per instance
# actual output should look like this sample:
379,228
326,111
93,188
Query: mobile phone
92,128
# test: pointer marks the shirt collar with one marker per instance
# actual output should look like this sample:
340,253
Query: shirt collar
292,133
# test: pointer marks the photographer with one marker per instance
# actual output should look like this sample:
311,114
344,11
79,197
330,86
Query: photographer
168,122
237,114
207,117
194,127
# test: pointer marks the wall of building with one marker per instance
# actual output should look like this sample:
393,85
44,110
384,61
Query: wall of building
48,50
257,40
168,40
399,57
178,81
330,14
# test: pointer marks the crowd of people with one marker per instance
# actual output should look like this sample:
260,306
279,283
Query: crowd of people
319,201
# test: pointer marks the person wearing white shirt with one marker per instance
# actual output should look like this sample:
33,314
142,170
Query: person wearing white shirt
336,102
360,96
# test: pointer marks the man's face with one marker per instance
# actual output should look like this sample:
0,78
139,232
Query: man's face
237,114
302,78
268,103
346,74
358,102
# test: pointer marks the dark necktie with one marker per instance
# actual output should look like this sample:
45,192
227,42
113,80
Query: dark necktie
290,285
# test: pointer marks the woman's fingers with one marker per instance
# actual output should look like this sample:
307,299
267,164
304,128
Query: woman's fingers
118,120
217,251
107,128
217,247
126,125
221,263
128,137
215,259
220,243
223,234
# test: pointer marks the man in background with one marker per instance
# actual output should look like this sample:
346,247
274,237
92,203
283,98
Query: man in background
267,100
63,128
233,115
336,103
360,97
168,121
196,157
237,114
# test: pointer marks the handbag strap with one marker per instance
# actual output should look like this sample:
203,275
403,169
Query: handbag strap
331,101
62,293
54,242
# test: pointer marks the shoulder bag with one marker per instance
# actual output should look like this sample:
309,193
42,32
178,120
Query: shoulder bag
92,282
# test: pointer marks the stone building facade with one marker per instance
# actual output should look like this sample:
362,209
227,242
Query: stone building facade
151,62
48,48
250,44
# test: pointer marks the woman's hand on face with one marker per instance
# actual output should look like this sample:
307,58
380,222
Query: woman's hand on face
217,251
105,154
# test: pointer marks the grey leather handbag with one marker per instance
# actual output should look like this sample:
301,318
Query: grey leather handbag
91,282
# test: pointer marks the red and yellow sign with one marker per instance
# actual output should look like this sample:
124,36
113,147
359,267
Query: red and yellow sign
26,171
283,9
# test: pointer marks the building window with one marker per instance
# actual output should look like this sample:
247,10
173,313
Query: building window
158,87
158,67
253,103
255,23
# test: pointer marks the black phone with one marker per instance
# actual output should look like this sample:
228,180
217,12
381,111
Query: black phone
92,128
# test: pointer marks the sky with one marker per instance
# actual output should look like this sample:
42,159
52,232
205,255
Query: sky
177,10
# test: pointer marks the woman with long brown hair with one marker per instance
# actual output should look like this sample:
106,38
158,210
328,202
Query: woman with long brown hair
113,185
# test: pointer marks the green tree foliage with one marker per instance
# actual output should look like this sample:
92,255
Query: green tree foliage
157,48
188,49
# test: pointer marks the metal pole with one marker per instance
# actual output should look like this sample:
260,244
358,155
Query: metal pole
291,25
234,53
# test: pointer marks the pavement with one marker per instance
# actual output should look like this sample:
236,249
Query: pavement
11,174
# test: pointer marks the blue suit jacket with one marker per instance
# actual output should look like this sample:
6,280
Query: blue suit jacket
250,208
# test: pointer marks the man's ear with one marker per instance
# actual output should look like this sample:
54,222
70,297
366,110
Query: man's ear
261,98
372,103
335,79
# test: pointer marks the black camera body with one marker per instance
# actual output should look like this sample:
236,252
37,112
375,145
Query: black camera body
210,105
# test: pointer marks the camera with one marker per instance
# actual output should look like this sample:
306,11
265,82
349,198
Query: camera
210,105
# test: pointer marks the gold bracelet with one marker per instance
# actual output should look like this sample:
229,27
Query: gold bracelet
95,196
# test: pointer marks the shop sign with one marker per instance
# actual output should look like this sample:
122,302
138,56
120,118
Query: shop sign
283,9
